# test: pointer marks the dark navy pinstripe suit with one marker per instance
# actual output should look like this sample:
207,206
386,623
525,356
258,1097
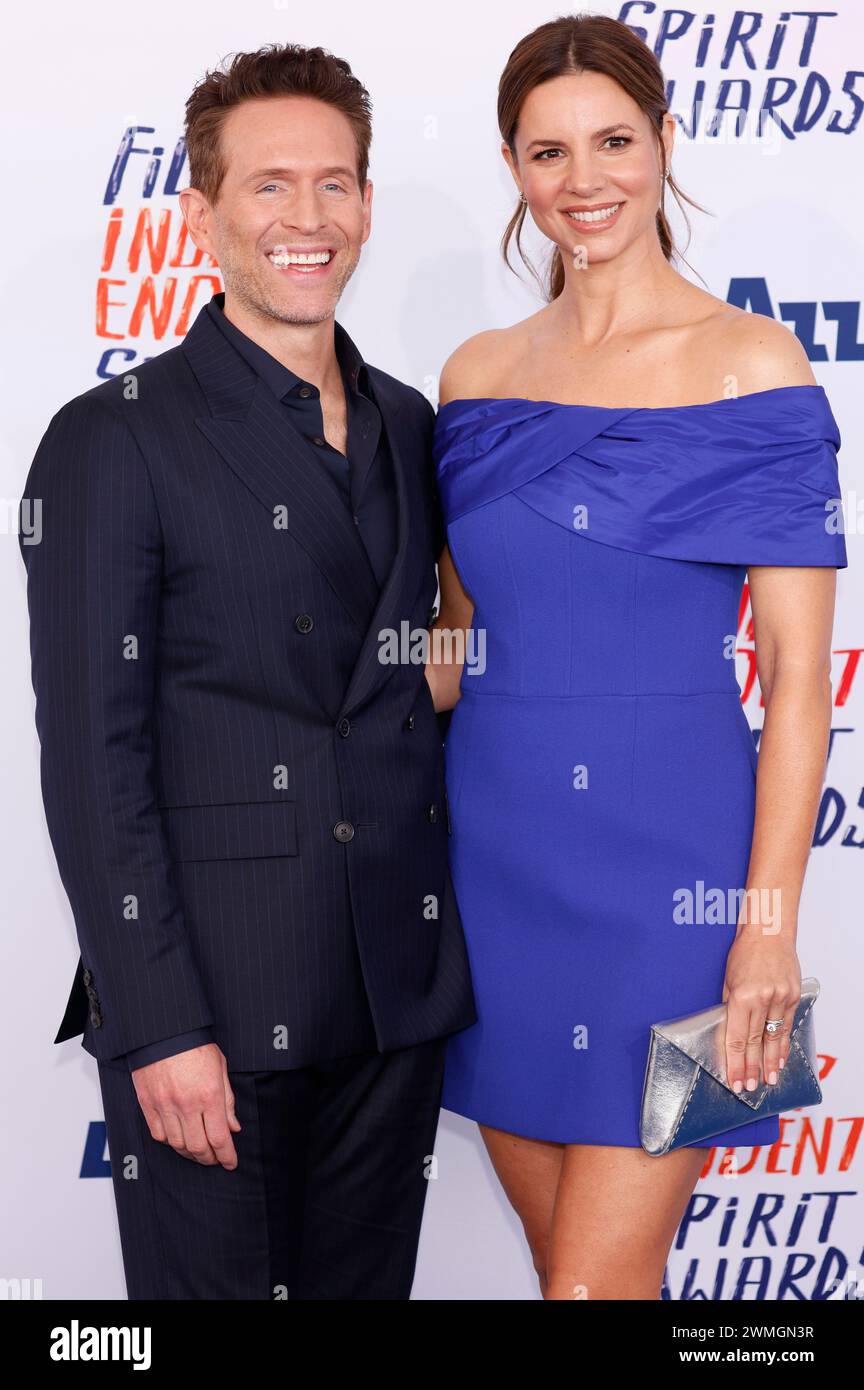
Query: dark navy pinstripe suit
247,807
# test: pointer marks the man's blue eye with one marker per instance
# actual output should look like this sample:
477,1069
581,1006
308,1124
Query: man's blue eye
271,187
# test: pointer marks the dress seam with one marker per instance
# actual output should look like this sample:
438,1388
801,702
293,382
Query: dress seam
504,535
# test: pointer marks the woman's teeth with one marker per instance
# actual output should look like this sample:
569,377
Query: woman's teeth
595,216
281,259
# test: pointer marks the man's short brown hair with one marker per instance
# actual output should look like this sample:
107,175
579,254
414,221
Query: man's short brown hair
273,71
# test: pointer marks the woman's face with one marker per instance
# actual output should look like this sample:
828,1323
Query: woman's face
588,162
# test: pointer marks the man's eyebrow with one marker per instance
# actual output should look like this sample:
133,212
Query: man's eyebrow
597,135
273,173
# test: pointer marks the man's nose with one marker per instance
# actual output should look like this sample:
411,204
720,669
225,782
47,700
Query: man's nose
304,210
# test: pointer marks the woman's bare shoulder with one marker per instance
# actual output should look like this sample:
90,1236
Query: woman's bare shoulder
480,364
753,352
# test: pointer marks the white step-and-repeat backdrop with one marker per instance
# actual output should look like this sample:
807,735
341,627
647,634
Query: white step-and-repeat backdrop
98,276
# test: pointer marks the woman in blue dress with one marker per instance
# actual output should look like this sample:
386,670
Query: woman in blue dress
611,469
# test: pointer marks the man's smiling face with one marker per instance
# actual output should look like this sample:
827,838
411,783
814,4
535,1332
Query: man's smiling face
290,217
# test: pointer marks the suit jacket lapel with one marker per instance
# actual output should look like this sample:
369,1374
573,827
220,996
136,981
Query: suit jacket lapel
249,429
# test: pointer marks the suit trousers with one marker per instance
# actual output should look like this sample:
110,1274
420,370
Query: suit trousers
327,1197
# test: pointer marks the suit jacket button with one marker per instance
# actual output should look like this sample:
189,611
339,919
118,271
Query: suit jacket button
410,721
343,831
432,813
303,622
344,727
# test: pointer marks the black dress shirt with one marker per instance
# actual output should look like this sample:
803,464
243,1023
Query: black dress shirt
364,479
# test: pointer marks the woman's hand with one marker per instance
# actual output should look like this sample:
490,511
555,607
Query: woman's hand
763,980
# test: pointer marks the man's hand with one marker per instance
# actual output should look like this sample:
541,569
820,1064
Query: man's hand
188,1103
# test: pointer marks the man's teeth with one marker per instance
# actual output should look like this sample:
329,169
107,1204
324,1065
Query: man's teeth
594,216
283,258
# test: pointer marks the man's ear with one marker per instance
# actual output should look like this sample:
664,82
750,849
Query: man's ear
196,213
367,208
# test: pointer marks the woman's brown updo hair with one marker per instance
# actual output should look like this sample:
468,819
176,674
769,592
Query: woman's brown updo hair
572,44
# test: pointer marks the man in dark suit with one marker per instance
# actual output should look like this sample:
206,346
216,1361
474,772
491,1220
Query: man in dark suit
247,803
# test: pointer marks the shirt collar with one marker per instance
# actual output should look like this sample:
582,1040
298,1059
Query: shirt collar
279,378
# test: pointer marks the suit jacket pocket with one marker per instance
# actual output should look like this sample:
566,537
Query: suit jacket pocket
234,830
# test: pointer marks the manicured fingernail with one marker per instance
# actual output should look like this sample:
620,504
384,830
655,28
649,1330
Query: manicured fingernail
782,1063
736,1086
772,1078
751,1084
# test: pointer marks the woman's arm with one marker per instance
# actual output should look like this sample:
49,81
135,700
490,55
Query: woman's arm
793,612
448,636
466,373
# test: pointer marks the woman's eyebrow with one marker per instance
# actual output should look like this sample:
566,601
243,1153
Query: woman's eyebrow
597,134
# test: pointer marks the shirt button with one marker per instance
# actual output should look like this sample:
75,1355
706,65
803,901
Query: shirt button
343,831
305,391
303,622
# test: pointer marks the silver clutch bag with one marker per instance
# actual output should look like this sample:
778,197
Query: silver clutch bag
685,1096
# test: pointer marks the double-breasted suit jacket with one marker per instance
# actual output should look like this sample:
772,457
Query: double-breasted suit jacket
247,805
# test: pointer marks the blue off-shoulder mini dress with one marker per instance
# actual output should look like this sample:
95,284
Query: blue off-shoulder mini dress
599,764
